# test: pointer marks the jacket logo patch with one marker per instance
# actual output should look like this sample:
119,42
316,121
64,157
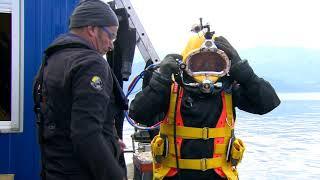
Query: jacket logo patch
96,83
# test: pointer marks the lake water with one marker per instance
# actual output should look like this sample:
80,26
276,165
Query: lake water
284,144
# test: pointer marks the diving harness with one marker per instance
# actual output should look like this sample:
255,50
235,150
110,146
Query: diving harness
228,150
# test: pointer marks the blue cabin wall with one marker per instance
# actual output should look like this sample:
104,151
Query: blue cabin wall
43,21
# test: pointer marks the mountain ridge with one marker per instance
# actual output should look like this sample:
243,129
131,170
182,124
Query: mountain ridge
288,69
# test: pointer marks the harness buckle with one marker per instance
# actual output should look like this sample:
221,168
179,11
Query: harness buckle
205,133
203,164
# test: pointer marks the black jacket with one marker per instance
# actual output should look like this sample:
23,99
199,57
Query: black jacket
78,134
251,94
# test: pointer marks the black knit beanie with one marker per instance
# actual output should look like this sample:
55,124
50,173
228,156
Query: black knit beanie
93,13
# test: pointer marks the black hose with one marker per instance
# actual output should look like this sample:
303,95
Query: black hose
175,132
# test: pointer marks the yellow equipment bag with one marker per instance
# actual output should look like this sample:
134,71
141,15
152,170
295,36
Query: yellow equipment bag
237,150
159,146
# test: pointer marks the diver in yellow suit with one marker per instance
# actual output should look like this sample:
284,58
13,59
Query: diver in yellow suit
198,92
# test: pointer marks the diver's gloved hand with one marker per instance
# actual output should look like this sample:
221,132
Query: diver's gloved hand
223,44
240,70
169,65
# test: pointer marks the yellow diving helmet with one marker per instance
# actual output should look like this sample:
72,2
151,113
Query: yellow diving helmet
204,61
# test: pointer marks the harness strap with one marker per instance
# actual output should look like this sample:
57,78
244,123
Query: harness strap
172,106
194,133
195,164
229,109
220,148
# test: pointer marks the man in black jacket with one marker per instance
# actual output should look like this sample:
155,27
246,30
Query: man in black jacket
194,95
76,95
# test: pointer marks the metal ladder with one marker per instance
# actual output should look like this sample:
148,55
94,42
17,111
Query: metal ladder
143,42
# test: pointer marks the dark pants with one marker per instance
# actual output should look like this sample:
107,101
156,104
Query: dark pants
119,118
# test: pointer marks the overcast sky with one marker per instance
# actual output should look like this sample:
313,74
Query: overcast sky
246,23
